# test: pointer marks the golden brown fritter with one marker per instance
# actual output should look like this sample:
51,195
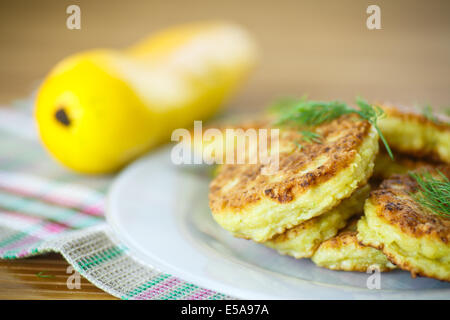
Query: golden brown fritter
302,241
397,207
385,167
410,114
410,132
310,181
410,235
344,252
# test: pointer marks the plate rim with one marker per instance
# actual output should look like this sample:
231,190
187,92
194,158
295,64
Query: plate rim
149,260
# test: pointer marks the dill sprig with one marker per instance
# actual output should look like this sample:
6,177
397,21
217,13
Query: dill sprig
434,193
372,114
311,137
298,145
41,274
312,113
286,103
428,113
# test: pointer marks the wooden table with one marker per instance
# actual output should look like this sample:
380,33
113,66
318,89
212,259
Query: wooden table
43,277
322,48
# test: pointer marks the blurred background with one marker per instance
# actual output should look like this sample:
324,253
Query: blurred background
322,48
318,47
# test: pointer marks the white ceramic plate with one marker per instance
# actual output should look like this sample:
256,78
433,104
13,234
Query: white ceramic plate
160,211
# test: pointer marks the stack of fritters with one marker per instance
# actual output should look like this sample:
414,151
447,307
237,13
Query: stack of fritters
311,180
303,240
344,252
409,234
310,206
418,134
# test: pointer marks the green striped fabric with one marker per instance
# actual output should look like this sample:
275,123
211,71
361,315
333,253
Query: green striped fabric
44,208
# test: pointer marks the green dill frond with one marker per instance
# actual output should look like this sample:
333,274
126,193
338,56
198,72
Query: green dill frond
41,274
434,193
312,113
447,111
298,145
285,103
372,114
311,137
428,113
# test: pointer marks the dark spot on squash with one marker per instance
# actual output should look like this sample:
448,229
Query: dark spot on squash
62,117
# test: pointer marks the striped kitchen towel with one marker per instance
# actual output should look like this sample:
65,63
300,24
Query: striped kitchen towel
45,208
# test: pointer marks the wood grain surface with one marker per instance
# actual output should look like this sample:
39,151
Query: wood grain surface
43,277
321,48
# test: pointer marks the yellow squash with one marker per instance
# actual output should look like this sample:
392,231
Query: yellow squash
98,110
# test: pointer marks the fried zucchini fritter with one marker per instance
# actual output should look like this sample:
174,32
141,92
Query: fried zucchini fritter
409,234
385,167
302,240
413,133
343,252
310,181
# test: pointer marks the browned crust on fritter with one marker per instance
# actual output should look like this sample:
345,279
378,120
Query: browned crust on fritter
252,186
346,235
396,206
342,239
403,264
409,114
293,232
